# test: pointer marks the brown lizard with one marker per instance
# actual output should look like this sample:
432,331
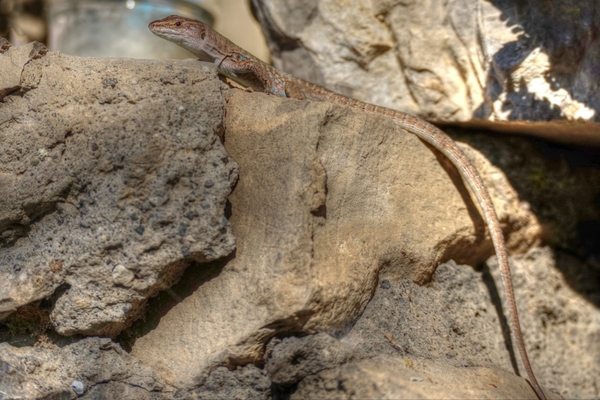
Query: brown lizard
242,67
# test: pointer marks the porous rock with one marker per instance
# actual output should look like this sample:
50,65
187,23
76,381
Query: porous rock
91,368
109,189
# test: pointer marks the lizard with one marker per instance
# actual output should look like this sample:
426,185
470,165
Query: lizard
242,67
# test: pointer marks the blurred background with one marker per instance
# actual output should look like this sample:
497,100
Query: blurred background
118,28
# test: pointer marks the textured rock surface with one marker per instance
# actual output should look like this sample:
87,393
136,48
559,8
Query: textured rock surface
333,211
571,361
108,189
298,357
412,378
329,201
247,382
97,368
463,61
450,335
455,320
13,63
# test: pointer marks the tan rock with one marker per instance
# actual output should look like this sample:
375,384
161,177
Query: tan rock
336,214
413,378
12,62
329,201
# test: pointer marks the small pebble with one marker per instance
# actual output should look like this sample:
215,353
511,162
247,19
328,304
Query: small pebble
121,276
77,387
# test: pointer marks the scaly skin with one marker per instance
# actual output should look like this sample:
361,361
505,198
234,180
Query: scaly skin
239,65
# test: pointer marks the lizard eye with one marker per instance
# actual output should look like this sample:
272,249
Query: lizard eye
178,23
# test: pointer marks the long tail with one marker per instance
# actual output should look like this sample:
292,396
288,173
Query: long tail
448,147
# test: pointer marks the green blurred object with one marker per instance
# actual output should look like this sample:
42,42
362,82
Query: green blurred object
115,28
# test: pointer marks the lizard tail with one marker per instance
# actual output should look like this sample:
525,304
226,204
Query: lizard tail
442,142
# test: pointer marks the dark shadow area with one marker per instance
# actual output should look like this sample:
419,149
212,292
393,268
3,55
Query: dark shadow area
30,325
583,276
561,185
25,326
280,393
569,185
585,163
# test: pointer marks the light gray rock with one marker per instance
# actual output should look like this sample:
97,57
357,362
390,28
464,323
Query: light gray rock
113,179
294,358
456,320
247,382
475,62
451,336
92,368
558,297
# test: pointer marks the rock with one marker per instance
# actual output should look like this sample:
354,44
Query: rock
294,358
329,201
122,276
452,335
453,319
247,382
558,300
523,68
12,62
412,378
341,220
92,368
109,190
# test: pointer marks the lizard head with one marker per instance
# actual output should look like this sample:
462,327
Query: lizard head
188,33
